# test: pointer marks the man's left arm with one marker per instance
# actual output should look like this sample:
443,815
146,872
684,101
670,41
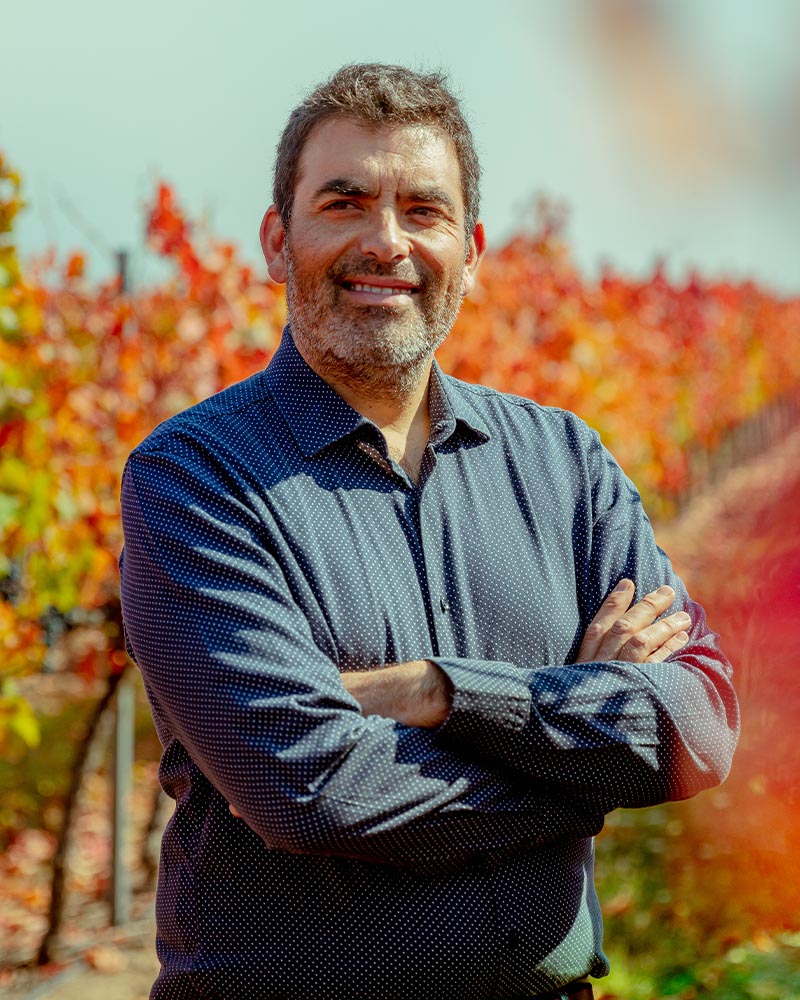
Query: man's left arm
611,731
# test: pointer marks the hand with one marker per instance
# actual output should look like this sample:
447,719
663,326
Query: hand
632,634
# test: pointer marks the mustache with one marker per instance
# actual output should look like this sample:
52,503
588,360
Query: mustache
372,268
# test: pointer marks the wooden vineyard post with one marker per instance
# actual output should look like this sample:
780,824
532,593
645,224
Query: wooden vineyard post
122,757
123,783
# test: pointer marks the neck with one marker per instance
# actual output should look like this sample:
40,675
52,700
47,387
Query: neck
395,399
396,415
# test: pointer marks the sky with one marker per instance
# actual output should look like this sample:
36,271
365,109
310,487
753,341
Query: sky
669,129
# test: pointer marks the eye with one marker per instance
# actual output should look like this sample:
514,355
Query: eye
340,205
426,214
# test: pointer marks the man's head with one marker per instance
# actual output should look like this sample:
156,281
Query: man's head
370,229
376,96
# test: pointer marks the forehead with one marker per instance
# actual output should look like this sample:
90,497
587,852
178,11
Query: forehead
408,155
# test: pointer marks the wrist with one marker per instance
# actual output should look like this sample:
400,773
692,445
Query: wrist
429,695
416,693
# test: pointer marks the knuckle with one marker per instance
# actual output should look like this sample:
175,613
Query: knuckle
637,642
622,626
595,630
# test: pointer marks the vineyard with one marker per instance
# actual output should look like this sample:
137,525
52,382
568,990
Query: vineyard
682,382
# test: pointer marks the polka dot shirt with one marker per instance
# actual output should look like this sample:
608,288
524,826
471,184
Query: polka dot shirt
272,542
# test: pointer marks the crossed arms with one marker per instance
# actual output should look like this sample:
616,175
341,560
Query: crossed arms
523,757
420,693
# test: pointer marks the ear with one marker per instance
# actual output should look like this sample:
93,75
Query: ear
475,251
273,243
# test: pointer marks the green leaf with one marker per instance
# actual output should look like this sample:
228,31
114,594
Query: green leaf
9,323
25,724
9,511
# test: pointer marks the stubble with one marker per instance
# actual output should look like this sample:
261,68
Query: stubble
378,350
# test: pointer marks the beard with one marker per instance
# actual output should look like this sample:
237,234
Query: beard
381,351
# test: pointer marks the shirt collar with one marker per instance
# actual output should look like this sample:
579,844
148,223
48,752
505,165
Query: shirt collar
317,416
450,411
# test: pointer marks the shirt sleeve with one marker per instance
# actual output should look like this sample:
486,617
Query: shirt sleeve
233,671
613,733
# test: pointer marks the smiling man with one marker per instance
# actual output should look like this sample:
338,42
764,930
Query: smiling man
376,265
387,621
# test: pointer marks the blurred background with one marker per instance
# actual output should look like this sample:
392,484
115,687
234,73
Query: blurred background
641,195
669,128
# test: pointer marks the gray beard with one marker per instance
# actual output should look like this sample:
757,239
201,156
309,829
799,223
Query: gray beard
368,349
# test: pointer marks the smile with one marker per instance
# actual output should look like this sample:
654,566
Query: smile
383,291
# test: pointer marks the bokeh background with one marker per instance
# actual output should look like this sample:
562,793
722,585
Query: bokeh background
669,128
642,197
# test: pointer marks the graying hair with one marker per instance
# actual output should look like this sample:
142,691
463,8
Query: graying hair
377,96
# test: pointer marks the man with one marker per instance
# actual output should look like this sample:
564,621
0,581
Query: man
386,620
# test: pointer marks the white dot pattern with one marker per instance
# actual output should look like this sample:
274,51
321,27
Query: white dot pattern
271,542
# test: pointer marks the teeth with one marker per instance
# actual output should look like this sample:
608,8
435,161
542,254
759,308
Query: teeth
379,289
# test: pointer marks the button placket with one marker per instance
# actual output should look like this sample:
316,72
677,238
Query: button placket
430,532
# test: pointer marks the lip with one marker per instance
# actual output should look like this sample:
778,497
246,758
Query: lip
352,286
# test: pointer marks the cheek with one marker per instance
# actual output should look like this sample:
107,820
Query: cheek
448,259
444,263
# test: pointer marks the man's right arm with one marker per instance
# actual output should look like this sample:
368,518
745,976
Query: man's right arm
230,659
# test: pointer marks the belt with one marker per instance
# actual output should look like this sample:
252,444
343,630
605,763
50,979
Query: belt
572,991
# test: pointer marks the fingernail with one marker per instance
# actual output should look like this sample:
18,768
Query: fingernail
665,591
682,636
623,585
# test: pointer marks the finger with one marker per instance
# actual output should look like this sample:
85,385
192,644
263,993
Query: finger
612,608
647,640
633,621
233,812
652,605
673,645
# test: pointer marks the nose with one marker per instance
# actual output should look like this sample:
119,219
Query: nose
384,238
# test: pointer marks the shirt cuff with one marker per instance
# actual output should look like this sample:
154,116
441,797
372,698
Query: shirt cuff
486,694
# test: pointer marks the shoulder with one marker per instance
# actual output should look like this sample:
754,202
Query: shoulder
230,413
225,445
553,445
505,413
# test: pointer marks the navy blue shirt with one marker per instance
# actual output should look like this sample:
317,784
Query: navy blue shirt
270,543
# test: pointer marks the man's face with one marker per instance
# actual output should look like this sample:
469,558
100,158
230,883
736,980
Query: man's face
376,259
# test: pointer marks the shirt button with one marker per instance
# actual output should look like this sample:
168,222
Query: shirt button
444,604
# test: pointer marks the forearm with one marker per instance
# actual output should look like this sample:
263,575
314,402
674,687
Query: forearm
617,734
417,693
610,732
370,788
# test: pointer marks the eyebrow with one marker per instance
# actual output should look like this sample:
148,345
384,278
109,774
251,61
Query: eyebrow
348,188
342,186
